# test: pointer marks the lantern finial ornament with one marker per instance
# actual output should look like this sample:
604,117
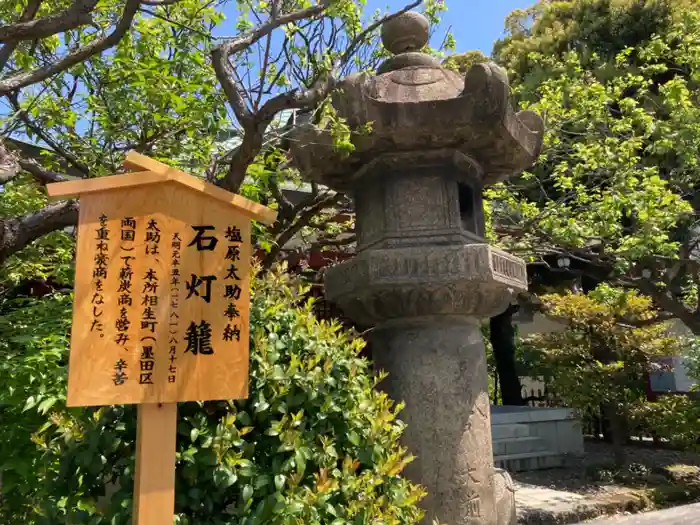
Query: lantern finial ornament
407,32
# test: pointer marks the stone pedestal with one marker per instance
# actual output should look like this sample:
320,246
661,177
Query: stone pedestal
425,304
437,365
504,495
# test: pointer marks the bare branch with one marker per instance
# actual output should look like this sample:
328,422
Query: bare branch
666,302
254,129
254,124
159,2
220,55
335,243
24,117
263,69
17,233
661,317
29,13
27,78
285,206
303,219
78,14
374,26
40,173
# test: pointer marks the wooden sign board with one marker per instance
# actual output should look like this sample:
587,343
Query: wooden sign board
160,309
162,289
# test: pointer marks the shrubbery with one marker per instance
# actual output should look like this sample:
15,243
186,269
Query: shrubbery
601,359
675,418
315,443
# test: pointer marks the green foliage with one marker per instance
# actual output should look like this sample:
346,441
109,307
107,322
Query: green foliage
315,443
599,358
33,347
692,356
673,417
617,84
462,62
603,27
154,93
50,255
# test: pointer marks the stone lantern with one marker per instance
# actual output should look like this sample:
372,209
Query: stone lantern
424,277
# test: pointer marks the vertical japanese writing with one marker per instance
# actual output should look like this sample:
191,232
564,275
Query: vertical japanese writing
99,274
152,237
126,273
149,305
232,288
198,335
119,377
149,301
174,317
199,339
146,365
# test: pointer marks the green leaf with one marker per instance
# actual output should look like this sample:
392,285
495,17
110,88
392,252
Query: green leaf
224,477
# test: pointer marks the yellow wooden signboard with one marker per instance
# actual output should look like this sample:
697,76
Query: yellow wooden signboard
161,306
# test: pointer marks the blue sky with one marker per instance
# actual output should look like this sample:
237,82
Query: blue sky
476,24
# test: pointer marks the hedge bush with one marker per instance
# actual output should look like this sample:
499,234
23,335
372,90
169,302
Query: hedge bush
316,442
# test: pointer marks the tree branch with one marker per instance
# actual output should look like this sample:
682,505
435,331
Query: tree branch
335,243
372,27
41,174
159,2
661,317
9,168
303,219
23,116
255,124
7,50
28,78
220,54
78,14
666,302
254,129
19,232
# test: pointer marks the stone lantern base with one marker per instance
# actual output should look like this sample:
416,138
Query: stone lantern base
425,304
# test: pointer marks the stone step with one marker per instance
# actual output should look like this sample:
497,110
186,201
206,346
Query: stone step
529,461
519,445
510,431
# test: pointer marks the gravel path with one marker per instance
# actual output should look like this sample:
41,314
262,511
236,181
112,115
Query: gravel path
593,474
685,515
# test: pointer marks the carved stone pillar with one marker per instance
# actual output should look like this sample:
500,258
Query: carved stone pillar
424,276
437,366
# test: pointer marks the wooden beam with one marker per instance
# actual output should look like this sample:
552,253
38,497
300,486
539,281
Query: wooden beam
76,188
154,483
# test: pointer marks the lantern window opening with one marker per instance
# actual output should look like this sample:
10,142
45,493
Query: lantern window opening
467,208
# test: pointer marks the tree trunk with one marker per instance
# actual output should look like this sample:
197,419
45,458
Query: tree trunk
618,430
503,344
18,232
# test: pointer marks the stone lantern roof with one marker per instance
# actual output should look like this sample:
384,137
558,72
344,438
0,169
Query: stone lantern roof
419,110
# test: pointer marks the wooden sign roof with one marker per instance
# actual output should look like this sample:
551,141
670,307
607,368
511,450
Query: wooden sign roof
147,171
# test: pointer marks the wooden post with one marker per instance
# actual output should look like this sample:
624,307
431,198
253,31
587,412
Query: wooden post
154,482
